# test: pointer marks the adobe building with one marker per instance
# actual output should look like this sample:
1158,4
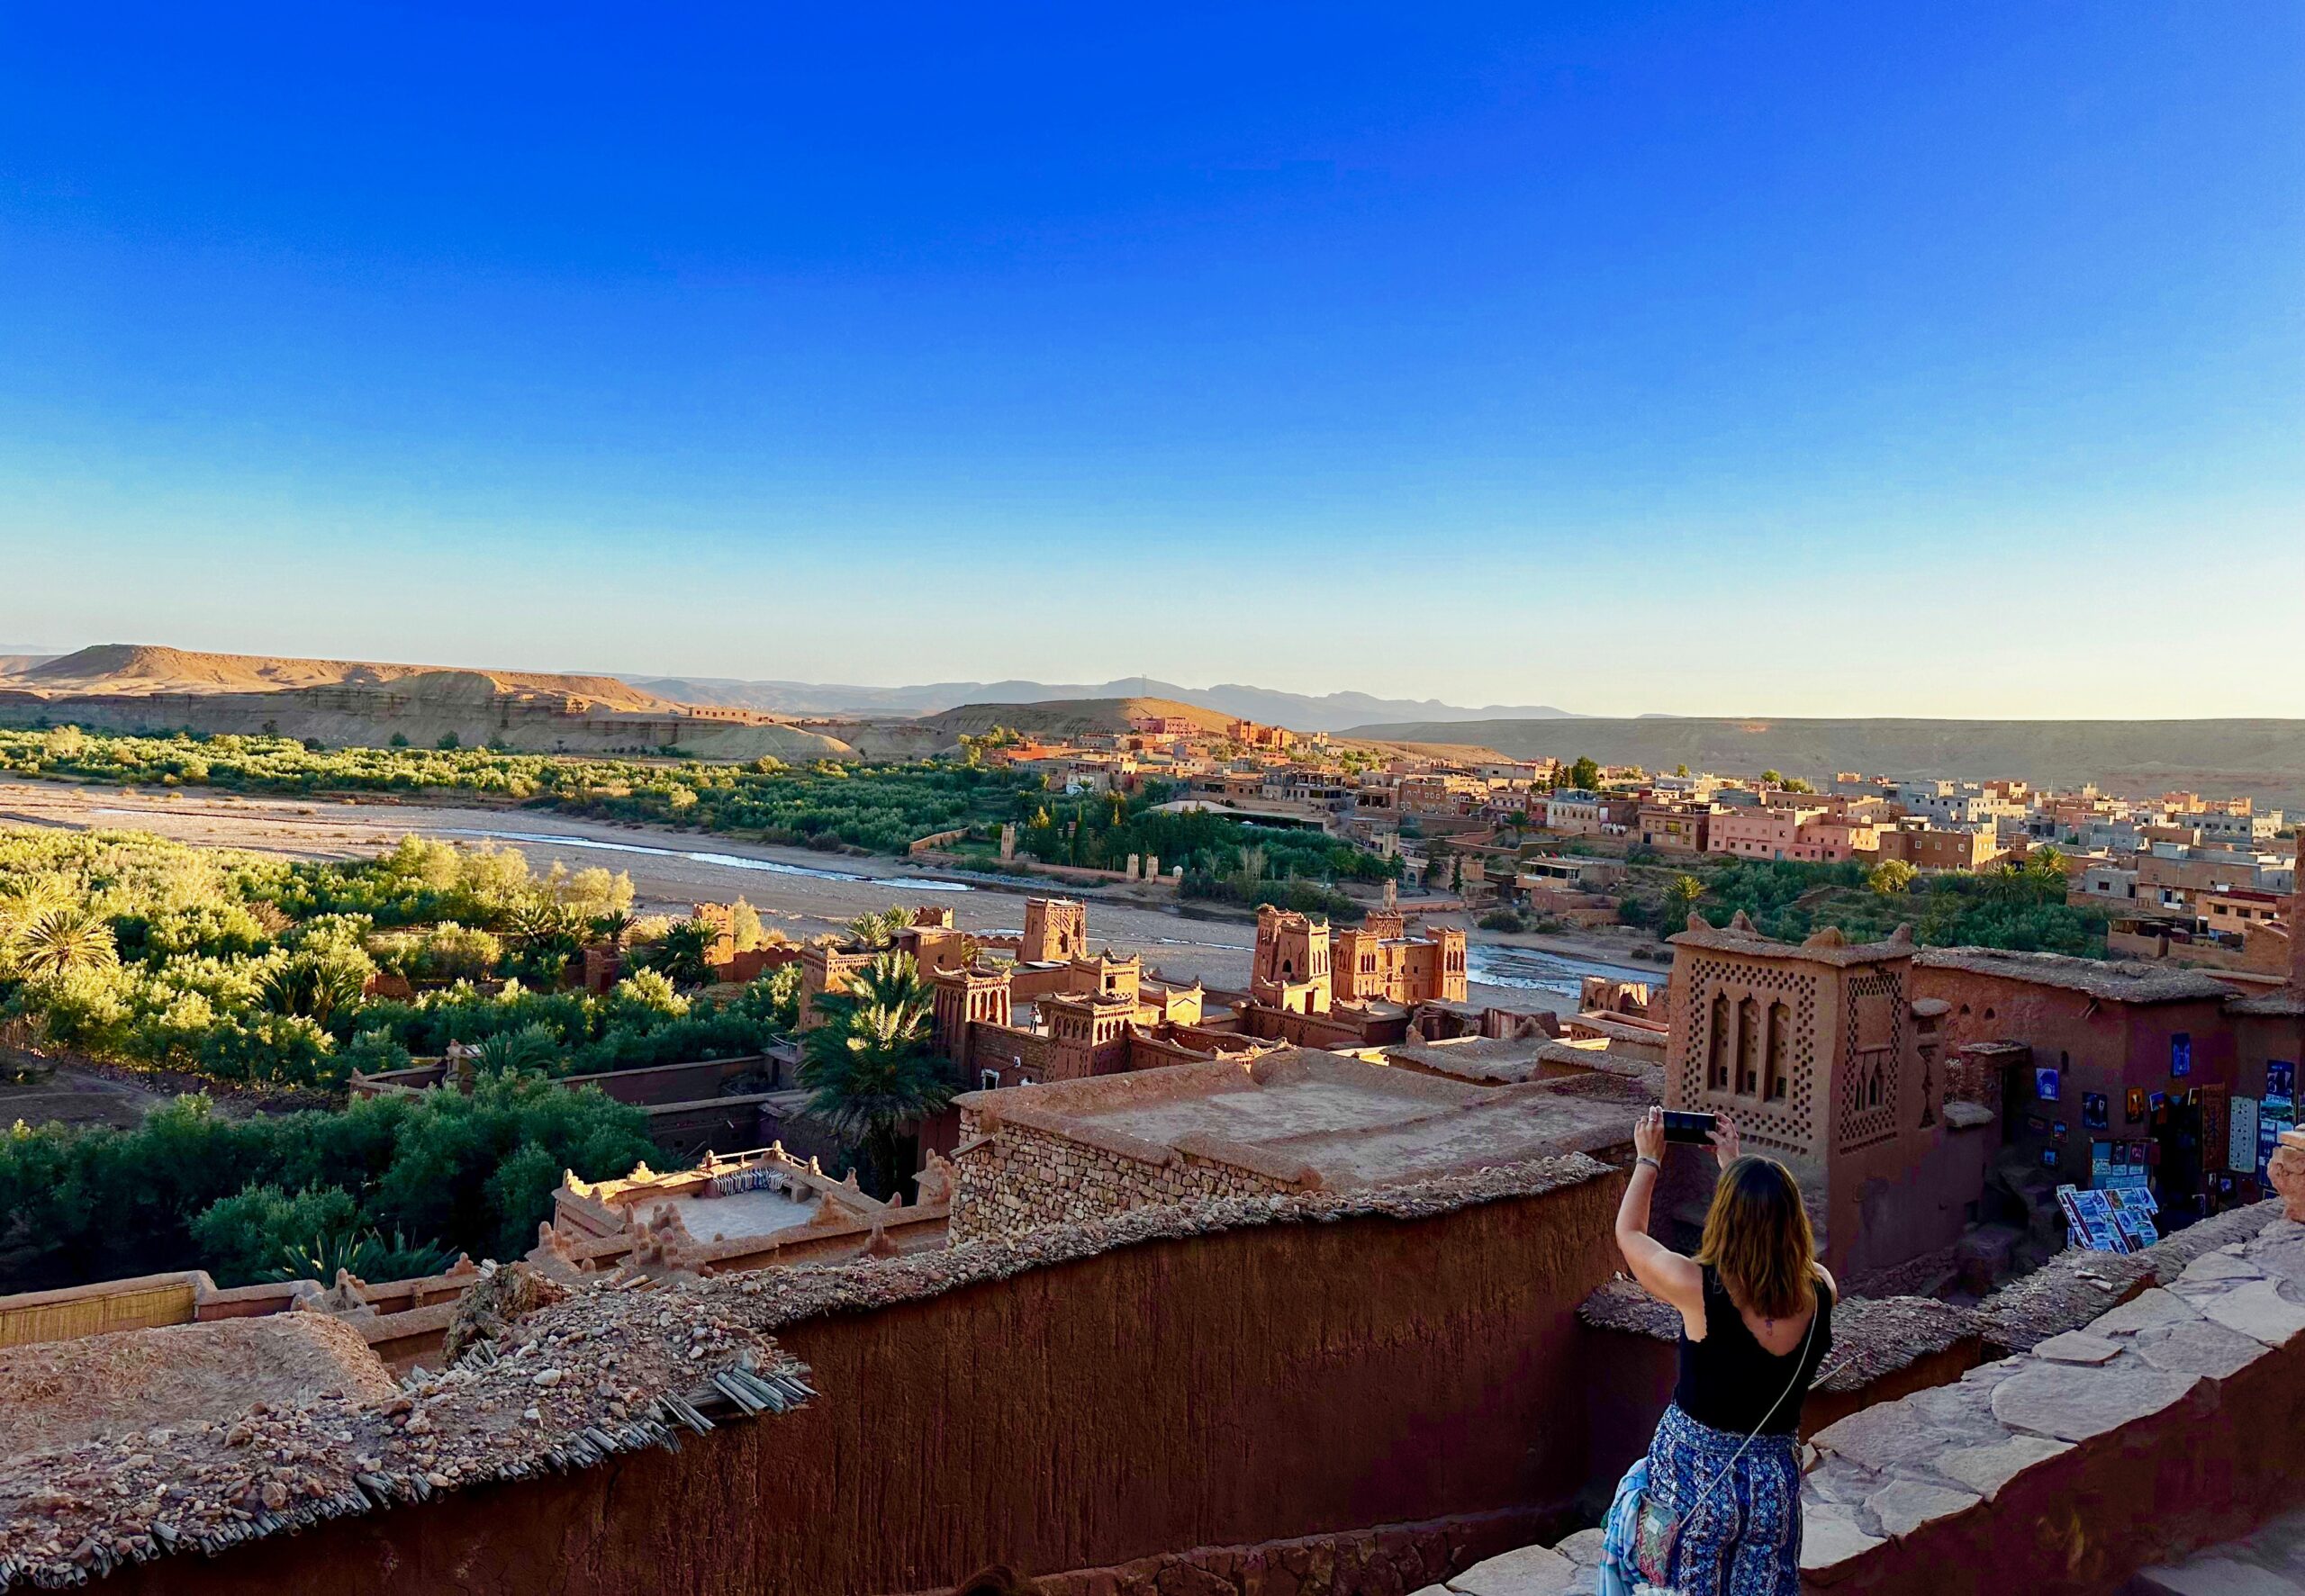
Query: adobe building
827,967
1299,994
1510,1060
2091,1053
1825,1059
1291,969
2097,1063
1380,962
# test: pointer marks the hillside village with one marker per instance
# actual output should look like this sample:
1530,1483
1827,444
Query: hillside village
2031,1050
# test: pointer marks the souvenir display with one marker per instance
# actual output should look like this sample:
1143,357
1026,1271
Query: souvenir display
2045,1084
2095,1112
2213,1133
2241,1135
2134,1105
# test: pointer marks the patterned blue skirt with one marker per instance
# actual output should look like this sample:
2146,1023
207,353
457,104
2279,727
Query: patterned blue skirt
1739,1537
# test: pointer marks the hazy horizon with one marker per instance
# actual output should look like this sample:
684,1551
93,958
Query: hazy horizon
1626,360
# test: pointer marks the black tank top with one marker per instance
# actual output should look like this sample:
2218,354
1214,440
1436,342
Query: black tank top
1729,1380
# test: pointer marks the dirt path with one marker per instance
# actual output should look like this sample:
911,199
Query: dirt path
39,1091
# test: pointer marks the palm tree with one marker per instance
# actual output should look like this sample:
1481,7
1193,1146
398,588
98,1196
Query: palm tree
1681,895
684,953
60,939
537,925
872,932
529,1048
314,986
613,924
867,1066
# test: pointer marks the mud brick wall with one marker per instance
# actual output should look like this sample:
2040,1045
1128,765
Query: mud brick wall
1349,1401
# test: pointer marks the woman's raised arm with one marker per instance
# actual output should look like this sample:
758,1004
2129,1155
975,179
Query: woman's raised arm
1664,1273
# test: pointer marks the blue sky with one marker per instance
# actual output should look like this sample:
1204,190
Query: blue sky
1710,359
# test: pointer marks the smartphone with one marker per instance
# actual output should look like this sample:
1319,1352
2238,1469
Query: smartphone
1681,1125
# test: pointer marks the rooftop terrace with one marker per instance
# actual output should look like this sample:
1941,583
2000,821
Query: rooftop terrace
1322,1119
1506,1060
2121,983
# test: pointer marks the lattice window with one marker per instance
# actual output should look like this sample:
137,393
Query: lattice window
1869,1079
1785,1123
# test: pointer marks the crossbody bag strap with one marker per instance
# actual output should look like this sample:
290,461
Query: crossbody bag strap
1799,1365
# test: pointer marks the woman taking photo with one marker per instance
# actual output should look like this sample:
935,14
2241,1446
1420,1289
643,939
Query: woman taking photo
1715,1508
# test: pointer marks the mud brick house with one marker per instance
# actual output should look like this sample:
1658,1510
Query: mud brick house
2105,1047
1826,1060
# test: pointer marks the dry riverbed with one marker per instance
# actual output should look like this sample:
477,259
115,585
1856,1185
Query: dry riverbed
797,890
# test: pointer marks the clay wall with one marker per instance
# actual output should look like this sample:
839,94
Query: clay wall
670,1083
2096,1045
1230,1390
1018,1054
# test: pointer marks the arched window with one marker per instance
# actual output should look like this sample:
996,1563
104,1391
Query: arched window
1717,1041
1777,1082
1749,1047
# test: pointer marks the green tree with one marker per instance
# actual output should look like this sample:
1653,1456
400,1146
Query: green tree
1891,878
2046,866
1584,775
683,952
875,931
61,940
868,1067
532,1048
1681,896
449,740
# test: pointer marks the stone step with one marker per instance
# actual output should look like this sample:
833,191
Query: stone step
2269,1562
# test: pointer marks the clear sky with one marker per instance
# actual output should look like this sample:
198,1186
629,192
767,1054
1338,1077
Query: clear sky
1712,359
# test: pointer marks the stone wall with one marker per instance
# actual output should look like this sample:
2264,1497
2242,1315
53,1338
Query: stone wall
1321,1397
2171,1423
1019,1178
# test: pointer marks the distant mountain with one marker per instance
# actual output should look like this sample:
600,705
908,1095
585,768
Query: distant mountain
1330,712
126,687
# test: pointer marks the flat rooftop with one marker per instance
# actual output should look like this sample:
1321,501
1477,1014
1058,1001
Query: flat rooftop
1323,1119
62,1393
2121,983
1497,1060
737,1214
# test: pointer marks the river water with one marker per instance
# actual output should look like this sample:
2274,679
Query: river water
796,890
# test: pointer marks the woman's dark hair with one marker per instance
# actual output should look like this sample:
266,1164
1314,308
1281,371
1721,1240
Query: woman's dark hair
1757,1236
999,1580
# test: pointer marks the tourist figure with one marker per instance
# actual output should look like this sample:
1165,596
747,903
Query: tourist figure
1715,1508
